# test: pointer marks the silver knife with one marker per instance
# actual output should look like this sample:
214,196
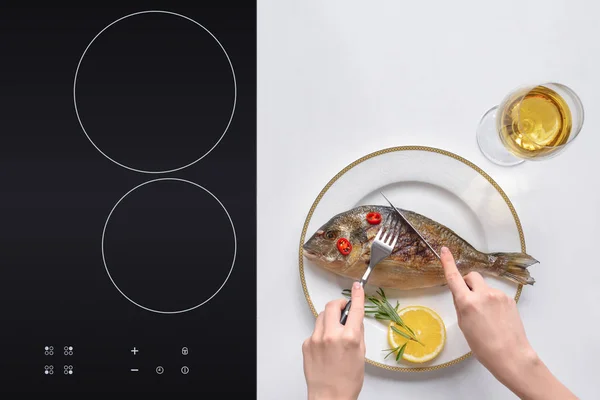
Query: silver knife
413,228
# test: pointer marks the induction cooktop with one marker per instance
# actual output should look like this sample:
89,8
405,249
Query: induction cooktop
128,171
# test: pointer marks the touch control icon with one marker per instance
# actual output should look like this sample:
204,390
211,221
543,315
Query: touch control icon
160,370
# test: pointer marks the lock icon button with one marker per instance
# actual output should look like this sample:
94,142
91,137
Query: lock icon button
184,351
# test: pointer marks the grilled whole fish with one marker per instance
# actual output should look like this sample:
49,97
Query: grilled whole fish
412,264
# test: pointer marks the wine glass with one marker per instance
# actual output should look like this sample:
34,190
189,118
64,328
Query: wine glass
533,122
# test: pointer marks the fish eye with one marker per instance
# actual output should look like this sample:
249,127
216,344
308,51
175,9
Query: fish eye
330,235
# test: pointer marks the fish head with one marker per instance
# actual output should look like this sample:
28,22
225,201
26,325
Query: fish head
322,247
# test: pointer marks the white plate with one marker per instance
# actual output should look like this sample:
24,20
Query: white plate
439,185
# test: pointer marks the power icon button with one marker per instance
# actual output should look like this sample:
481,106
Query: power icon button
185,370
160,370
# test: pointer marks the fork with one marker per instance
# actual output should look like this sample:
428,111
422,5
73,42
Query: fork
382,247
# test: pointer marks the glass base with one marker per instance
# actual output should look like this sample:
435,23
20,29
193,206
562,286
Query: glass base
490,144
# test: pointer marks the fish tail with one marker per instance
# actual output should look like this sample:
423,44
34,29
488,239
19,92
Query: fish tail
514,267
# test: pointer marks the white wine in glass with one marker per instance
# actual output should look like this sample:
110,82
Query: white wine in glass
534,122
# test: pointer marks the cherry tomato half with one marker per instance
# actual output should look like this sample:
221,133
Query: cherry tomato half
344,246
374,218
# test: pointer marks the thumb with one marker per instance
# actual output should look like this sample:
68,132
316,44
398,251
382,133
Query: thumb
456,283
357,309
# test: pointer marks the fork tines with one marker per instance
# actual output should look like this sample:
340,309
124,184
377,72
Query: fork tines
389,232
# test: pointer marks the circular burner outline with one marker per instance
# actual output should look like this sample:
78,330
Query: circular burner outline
232,262
228,122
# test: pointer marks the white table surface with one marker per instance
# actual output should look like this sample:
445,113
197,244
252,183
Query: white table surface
390,73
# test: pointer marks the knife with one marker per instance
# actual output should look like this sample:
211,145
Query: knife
413,228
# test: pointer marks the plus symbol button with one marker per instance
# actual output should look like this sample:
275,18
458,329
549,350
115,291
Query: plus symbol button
134,351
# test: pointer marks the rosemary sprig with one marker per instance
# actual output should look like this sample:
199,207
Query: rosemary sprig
384,311
398,350
381,309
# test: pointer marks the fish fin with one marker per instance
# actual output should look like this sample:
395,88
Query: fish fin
514,267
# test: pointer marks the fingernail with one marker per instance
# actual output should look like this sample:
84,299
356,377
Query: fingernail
445,250
356,285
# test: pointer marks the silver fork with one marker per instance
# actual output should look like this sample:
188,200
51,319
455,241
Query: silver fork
382,247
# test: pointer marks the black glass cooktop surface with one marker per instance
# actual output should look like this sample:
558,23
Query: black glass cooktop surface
128,167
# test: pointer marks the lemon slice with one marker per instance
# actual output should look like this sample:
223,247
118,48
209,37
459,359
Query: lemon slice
428,328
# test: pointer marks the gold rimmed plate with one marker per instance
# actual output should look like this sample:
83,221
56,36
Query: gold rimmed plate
440,185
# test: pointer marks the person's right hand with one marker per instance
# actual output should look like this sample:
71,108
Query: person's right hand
491,324
488,318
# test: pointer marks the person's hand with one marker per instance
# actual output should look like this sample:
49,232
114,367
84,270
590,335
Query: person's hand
334,356
491,324
488,318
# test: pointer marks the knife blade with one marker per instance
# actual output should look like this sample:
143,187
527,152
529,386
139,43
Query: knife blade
411,225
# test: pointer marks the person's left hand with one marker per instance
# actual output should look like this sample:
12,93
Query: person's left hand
334,356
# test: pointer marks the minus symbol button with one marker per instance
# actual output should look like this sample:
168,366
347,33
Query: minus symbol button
134,370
